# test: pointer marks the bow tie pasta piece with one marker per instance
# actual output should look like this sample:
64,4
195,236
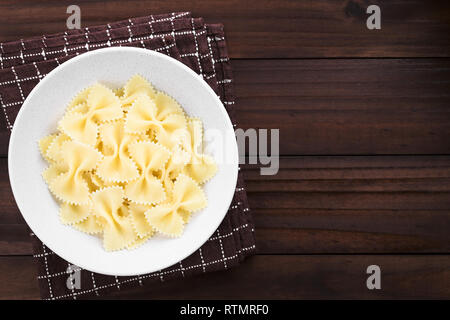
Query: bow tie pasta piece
135,87
54,149
72,213
142,116
95,182
149,157
165,219
166,105
91,225
81,122
155,110
140,224
170,131
79,125
185,215
188,195
53,171
174,167
44,144
103,104
80,98
117,167
118,231
169,218
70,186
201,167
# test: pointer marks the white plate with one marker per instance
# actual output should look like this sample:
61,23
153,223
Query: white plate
38,117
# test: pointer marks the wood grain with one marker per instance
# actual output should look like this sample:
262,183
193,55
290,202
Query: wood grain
18,278
284,277
265,28
322,205
348,107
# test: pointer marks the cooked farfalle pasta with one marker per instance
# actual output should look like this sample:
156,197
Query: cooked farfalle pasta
186,197
136,86
117,167
126,164
143,115
201,167
150,157
81,121
70,185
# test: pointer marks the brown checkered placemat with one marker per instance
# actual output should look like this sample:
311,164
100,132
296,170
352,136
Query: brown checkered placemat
202,47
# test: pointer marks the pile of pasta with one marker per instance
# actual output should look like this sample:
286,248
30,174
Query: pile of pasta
127,164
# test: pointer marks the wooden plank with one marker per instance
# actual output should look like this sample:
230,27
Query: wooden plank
345,107
352,204
348,107
372,204
9,211
15,240
18,278
264,28
276,277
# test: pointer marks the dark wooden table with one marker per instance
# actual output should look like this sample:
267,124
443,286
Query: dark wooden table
364,119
